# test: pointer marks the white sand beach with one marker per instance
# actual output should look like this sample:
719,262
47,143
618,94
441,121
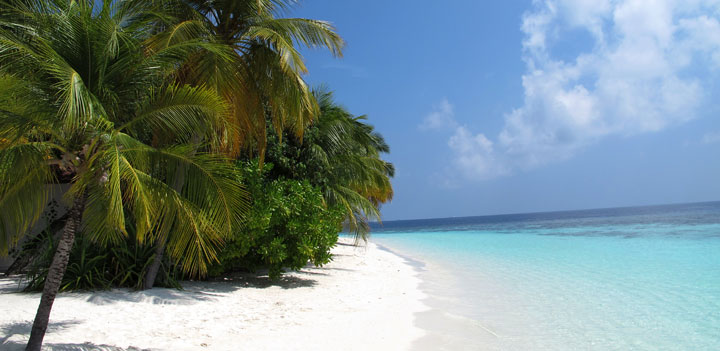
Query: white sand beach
366,299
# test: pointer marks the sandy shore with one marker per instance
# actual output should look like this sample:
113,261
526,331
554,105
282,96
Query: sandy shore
366,299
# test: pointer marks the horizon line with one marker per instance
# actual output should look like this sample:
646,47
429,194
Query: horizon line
547,212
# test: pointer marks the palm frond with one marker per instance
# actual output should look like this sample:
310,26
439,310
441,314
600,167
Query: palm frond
349,150
24,178
180,111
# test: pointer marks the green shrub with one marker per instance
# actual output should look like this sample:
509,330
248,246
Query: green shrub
288,226
88,269
94,267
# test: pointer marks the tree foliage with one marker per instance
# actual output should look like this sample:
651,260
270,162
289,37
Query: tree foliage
92,266
341,155
82,100
140,111
288,225
263,78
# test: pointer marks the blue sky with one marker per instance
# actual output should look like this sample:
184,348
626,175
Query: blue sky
518,106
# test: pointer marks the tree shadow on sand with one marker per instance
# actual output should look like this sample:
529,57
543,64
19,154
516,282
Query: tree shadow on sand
13,336
234,281
336,269
290,280
192,292
10,346
22,329
12,284
198,291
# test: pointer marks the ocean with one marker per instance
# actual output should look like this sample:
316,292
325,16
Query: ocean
636,278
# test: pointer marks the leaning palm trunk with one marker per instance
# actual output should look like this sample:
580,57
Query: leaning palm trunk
55,275
154,268
79,92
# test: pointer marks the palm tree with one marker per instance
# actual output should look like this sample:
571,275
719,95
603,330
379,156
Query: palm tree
265,75
350,149
82,100
341,154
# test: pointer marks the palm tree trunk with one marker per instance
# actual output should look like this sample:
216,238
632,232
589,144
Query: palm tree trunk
155,265
154,268
55,274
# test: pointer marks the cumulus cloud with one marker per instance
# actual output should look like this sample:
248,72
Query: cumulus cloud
475,154
441,117
644,71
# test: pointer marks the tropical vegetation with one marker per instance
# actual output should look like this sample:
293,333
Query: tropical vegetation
288,225
181,140
340,154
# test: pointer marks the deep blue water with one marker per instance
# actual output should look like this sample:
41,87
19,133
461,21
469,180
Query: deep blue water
641,278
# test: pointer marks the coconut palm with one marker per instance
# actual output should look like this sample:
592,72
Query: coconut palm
341,154
264,76
83,101
358,179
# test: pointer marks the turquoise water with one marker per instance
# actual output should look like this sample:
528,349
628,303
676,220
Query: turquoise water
621,279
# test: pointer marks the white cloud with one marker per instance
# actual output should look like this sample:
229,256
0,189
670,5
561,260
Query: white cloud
474,154
442,116
645,71
703,35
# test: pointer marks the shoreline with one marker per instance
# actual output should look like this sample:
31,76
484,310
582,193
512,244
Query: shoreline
368,297
445,321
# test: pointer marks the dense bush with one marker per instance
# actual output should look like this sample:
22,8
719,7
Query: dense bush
288,226
340,154
92,266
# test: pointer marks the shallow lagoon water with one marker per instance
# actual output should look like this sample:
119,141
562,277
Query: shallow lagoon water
643,278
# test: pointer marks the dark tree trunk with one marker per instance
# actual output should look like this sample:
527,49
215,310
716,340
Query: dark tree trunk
154,268
178,183
55,275
155,265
